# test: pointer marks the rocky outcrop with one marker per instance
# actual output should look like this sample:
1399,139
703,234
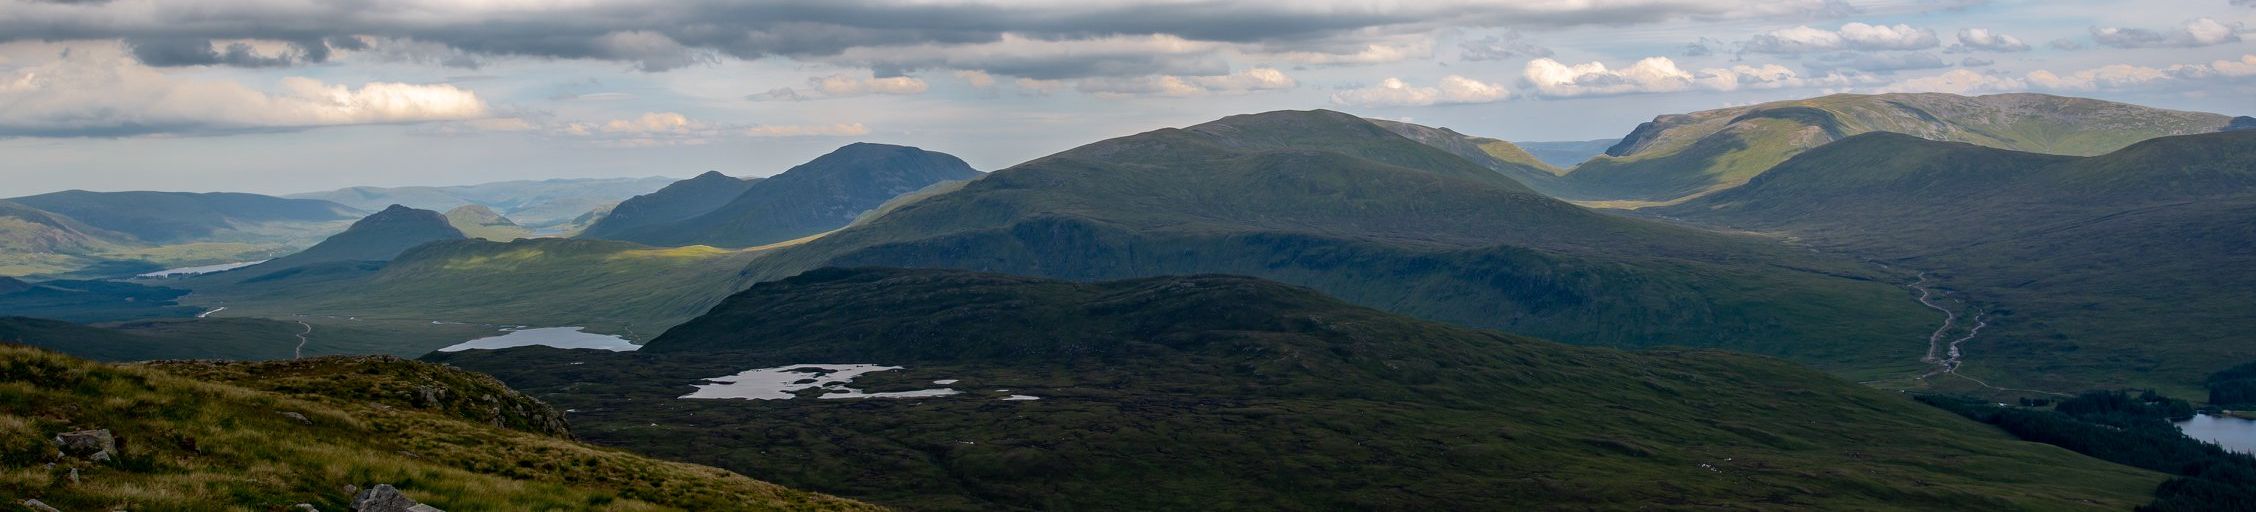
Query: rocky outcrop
384,498
97,445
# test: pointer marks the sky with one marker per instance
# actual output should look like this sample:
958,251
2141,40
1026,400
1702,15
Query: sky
283,96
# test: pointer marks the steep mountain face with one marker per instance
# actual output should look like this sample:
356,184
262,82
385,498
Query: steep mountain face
1291,196
1497,155
1567,154
540,204
478,221
378,237
2083,262
269,436
166,217
1226,393
821,195
1676,157
677,202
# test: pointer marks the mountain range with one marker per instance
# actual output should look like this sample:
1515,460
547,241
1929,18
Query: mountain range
818,196
541,204
1681,156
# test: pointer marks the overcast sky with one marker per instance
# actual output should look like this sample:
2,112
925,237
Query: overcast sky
278,96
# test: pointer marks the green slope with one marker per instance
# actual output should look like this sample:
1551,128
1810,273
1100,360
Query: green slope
90,301
820,195
677,202
213,436
2098,271
34,241
1453,242
1677,157
378,237
1230,393
610,287
239,339
1497,155
480,222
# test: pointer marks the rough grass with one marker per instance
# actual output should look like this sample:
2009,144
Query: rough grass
196,445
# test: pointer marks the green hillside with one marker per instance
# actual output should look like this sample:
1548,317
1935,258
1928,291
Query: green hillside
90,301
818,196
610,287
677,202
1448,241
480,222
1230,393
1566,154
1497,155
2097,272
1677,157
241,339
216,436
379,237
34,241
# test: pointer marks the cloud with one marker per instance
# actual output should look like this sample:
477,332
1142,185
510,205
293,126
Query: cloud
1982,39
1975,62
979,79
652,129
1370,53
844,86
104,94
1257,79
2066,44
663,35
1452,89
1510,45
1852,36
1878,62
2102,78
1550,78
2197,33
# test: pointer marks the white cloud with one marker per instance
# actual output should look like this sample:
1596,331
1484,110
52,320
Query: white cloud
1373,53
2108,77
1256,79
93,92
1959,81
654,129
976,78
1852,36
844,86
1452,89
1982,39
2197,33
1659,74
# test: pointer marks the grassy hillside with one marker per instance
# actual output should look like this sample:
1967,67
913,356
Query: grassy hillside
610,287
34,241
91,301
1497,155
1677,157
818,196
379,237
2097,272
480,222
677,202
1566,154
1229,393
199,440
1449,241
229,338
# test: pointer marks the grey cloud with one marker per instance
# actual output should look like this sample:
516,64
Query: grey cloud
164,52
1510,45
673,34
2066,44
1975,62
2196,33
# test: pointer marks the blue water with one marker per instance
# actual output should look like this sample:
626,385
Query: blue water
559,337
2234,434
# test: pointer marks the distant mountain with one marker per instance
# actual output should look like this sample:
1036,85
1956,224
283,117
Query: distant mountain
2103,270
478,221
1676,157
542,203
1497,155
207,435
379,237
34,241
677,202
1567,154
821,195
169,217
1333,202
1224,392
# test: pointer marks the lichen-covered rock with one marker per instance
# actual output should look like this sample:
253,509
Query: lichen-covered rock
384,498
37,506
96,445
